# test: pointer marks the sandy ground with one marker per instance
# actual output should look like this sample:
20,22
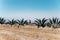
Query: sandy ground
28,33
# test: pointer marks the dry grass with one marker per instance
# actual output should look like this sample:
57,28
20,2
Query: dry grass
28,32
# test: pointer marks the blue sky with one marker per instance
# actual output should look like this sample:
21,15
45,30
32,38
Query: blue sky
29,8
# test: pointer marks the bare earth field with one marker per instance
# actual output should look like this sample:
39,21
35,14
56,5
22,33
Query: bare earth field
28,33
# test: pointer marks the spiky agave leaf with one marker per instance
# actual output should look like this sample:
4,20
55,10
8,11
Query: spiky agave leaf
12,22
2,20
49,23
59,22
21,22
18,22
29,22
26,22
40,22
43,22
54,22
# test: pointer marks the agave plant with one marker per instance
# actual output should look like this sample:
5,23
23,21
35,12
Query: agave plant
21,22
54,22
11,22
27,22
40,22
2,20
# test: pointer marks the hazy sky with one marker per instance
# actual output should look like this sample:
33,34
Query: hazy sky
29,8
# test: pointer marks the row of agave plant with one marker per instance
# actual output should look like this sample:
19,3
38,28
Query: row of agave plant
54,22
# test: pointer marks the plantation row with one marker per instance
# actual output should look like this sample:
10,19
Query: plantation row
54,22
